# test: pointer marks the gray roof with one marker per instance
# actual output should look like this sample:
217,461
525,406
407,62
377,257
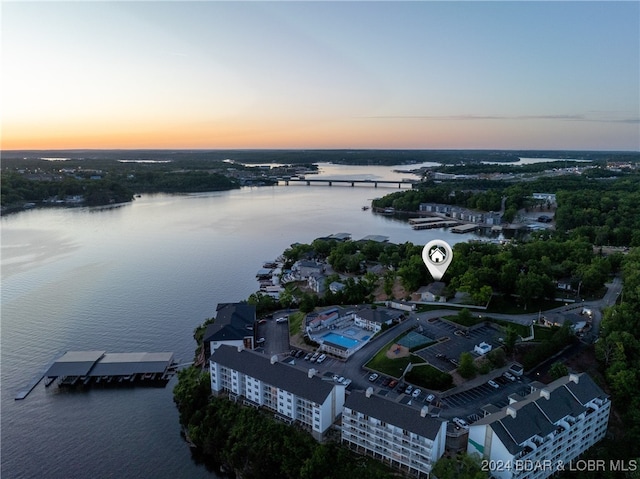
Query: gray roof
562,405
123,364
99,363
391,412
74,363
232,320
529,421
585,390
281,375
537,415
378,315
376,238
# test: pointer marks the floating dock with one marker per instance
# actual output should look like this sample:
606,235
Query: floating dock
464,228
434,224
86,368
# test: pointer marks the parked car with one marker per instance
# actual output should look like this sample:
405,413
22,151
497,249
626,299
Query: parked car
321,358
409,389
493,384
308,357
373,377
441,356
300,353
509,376
460,423
401,388
416,393
386,382
393,383
283,319
430,398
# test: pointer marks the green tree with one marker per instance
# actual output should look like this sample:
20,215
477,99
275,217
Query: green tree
466,367
463,466
558,370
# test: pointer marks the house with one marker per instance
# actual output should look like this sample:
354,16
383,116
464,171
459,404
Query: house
233,325
306,268
374,319
323,319
317,282
554,424
576,321
293,395
336,287
401,305
433,292
401,436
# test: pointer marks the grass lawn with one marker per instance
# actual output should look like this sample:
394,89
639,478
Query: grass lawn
392,367
509,305
295,322
427,376
542,332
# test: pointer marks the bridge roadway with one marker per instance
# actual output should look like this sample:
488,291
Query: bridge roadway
375,183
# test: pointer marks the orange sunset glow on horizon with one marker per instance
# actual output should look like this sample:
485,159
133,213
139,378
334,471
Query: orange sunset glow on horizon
219,75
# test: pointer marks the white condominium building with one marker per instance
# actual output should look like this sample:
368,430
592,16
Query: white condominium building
292,394
403,437
536,436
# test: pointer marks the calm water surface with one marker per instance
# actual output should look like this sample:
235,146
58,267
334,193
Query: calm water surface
141,277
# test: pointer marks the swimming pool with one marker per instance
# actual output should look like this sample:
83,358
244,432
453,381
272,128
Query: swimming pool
340,340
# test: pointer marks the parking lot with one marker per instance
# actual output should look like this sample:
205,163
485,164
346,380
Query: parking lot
453,341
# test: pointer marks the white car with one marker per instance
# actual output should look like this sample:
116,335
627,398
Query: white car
282,320
460,423
416,393
493,384
509,376
373,377
321,358
430,398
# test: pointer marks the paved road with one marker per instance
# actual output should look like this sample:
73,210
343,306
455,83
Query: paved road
353,368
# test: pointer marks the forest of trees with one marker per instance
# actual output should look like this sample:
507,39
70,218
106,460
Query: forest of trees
251,444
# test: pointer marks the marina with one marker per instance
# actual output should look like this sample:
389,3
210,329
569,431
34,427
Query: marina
86,368
464,228
434,224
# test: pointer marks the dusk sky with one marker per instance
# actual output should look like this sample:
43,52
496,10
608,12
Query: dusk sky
441,75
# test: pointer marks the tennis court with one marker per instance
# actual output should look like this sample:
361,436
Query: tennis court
413,340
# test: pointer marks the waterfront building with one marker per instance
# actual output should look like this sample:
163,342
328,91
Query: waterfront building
294,396
552,425
234,325
374,319
401,436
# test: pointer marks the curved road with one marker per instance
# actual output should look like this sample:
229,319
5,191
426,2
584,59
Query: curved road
353,368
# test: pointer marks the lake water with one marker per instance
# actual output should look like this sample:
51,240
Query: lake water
141,277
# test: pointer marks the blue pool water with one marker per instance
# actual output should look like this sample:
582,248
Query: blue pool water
340,340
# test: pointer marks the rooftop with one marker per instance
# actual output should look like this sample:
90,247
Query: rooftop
281,375
400,415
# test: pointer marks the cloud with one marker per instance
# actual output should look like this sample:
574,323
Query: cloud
475,117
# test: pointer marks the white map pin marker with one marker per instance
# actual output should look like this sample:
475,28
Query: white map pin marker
437,256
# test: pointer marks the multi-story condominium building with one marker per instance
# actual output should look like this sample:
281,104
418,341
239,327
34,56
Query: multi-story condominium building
534,437
405,438
292,394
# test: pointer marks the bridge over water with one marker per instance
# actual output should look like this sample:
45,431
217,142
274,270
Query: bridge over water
330,182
